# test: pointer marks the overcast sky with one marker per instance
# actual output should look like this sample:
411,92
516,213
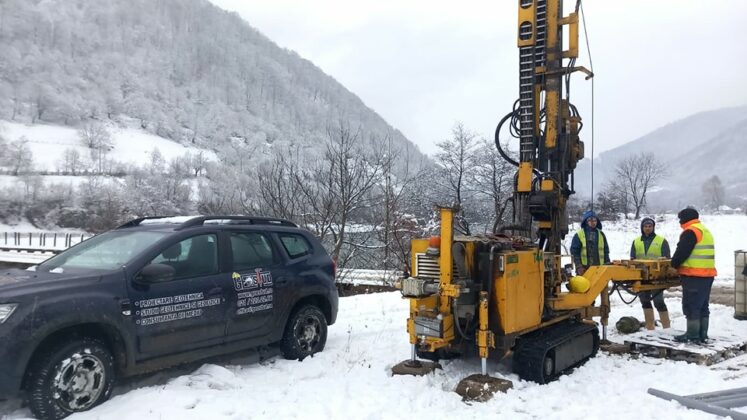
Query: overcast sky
425,64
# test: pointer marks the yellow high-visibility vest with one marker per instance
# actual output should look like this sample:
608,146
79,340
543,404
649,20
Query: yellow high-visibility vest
584,252
702,261
654,250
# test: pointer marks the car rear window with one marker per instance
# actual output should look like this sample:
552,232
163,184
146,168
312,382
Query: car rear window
192,257
251,250
296,245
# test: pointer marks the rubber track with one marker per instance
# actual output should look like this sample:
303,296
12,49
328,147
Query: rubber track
531,350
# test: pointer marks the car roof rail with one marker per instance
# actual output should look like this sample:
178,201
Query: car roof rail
238,220
136,222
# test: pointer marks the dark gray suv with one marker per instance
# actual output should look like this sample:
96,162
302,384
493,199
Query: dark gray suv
156,292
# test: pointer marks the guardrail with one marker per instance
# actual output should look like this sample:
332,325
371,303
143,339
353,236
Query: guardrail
364,277
43,240
34,247
24,255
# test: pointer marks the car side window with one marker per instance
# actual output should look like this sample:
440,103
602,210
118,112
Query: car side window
192,257
251,250
295,245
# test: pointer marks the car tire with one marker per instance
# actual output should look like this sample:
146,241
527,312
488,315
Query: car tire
71,376
305,333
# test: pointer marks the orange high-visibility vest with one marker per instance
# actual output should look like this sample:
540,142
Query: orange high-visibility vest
702,261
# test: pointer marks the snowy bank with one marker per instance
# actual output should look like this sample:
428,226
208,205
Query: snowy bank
351,380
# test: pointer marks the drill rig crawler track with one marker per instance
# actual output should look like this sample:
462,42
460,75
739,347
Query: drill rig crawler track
544,355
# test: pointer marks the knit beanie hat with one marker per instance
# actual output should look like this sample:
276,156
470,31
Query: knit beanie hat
685,215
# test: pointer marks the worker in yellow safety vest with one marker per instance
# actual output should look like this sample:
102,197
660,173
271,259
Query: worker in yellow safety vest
695,261
650,246
589,245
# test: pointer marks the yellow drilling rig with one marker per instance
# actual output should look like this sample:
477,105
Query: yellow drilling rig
503,294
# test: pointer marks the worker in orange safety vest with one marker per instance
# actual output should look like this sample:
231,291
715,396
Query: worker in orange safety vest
695,261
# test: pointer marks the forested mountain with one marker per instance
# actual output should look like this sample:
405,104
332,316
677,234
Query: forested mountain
185,69
693,150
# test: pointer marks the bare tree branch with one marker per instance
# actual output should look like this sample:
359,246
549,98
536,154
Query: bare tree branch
636,175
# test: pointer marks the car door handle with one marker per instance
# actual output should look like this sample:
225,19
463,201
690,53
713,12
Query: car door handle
126,307
215,291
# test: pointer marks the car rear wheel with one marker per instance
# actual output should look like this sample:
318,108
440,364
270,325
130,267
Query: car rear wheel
72,376
305,333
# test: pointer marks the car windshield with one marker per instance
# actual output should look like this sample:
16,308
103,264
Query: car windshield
107,251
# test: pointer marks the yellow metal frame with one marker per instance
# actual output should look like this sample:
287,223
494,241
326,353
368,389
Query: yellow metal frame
572,21
438,305
519,291
599,277
527,14
485,337
524,183
641,275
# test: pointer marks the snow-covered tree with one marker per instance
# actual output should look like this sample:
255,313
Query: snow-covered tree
713,192
72,162
456,159
19,156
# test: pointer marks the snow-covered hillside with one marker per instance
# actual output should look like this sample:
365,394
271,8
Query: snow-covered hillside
184,69
96,175
351,380
716,137
48,144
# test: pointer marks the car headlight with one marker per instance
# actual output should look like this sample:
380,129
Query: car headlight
6,310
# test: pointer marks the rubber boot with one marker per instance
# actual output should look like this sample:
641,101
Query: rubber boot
665,322
692,333
648,316
704,329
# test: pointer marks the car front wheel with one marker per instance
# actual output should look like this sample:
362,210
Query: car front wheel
70,377
305,333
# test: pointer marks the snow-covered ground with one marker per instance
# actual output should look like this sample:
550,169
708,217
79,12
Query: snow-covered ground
350,379
131,145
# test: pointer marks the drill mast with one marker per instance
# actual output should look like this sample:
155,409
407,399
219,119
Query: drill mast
544,121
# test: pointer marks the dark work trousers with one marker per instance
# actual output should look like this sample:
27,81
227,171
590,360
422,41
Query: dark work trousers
657,297
696,292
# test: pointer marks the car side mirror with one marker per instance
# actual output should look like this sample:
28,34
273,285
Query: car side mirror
155,273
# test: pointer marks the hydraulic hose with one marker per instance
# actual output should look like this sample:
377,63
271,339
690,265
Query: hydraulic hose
503,154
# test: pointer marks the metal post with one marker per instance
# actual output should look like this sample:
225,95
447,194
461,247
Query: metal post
604,308
690,402
414,354
484,336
